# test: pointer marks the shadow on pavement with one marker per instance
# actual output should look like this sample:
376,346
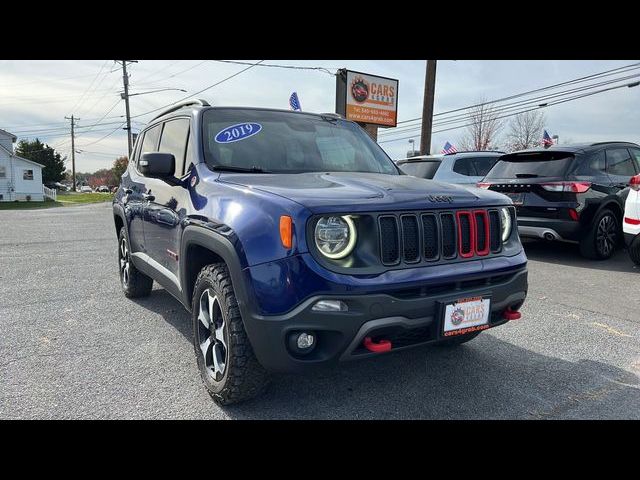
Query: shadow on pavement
569,254
486,378
171,310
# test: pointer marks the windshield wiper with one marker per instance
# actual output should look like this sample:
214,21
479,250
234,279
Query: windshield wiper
229,168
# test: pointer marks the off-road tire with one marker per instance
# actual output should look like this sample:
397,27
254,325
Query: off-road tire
243,376
458,340
589,247
136,284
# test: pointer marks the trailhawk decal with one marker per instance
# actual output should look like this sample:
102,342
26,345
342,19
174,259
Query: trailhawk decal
237,132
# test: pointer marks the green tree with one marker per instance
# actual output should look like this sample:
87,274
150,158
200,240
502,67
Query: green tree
119,167
38,152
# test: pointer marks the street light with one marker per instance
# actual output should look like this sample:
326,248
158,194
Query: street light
122,95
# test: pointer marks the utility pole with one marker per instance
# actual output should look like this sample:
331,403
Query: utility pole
125,97
427,107
73,149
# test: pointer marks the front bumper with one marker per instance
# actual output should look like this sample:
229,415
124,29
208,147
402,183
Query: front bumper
408,317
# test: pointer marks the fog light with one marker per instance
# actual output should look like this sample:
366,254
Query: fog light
302,343
330,306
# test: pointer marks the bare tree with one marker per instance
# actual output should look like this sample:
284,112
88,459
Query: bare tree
483,129
525,130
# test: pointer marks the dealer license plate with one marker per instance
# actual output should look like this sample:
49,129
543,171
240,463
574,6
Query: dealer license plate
466,315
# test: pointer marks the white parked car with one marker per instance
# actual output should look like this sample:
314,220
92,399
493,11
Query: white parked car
86,189
631,224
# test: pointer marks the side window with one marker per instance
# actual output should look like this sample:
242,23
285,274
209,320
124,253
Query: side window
27,174
150,140
3,171
464,166
635,153
484,164
174,141
595,163
619,162
136,150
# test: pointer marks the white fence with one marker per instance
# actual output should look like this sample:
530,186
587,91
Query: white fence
51,193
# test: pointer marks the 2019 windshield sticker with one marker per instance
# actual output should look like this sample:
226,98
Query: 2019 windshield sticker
237,132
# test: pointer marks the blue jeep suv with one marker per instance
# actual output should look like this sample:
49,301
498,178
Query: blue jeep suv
294,241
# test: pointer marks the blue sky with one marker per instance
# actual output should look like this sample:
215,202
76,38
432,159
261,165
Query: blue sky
37,95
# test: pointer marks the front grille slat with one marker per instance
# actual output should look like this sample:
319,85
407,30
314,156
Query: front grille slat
430,236
389,240
410,238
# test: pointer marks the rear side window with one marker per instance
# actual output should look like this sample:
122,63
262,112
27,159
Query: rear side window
531,165
635,152
464,166
150,140
174,141
619,162
420,169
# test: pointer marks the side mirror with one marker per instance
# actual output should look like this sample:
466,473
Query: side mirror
157,165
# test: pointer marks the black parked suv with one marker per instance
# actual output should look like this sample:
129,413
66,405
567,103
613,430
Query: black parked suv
569,192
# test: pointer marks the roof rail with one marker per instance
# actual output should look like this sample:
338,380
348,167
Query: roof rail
475,151
179,105
332,115
612,141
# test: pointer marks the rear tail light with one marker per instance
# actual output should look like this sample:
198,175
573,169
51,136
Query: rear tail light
634,183
575,187
573,213
483,185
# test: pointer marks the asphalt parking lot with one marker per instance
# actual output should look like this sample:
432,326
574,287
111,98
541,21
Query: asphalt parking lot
72,346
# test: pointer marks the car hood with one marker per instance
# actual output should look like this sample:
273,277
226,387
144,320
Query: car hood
356,191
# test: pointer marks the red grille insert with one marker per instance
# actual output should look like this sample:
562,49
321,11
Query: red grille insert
481,219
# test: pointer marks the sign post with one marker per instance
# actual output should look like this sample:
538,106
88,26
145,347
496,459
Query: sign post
370,100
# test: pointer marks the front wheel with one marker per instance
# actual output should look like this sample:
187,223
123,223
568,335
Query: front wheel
634,251
602,238
227,364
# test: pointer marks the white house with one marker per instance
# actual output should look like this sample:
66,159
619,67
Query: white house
19,177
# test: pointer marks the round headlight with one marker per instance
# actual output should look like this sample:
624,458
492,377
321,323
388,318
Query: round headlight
335,236
506,223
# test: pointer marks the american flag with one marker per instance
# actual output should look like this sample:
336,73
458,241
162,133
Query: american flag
547,141
294,102
448,148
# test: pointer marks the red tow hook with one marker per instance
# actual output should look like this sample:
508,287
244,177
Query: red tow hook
381,346
509,314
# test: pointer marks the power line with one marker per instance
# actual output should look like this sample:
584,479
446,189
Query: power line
576,97
292,67
77,104
509,106
200,91
605,73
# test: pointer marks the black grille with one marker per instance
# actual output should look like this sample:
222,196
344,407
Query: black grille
495,235
431,240
448,235
465,233
429,237
410,238
389,244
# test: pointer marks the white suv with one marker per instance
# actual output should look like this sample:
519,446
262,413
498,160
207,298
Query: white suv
631,224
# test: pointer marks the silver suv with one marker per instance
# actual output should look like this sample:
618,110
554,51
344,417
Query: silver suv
461,167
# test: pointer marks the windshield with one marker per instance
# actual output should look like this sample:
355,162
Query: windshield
531,165
287,142
425,169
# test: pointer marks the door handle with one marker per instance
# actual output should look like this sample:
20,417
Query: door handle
148,196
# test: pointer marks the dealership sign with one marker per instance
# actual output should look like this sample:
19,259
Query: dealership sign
367,98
